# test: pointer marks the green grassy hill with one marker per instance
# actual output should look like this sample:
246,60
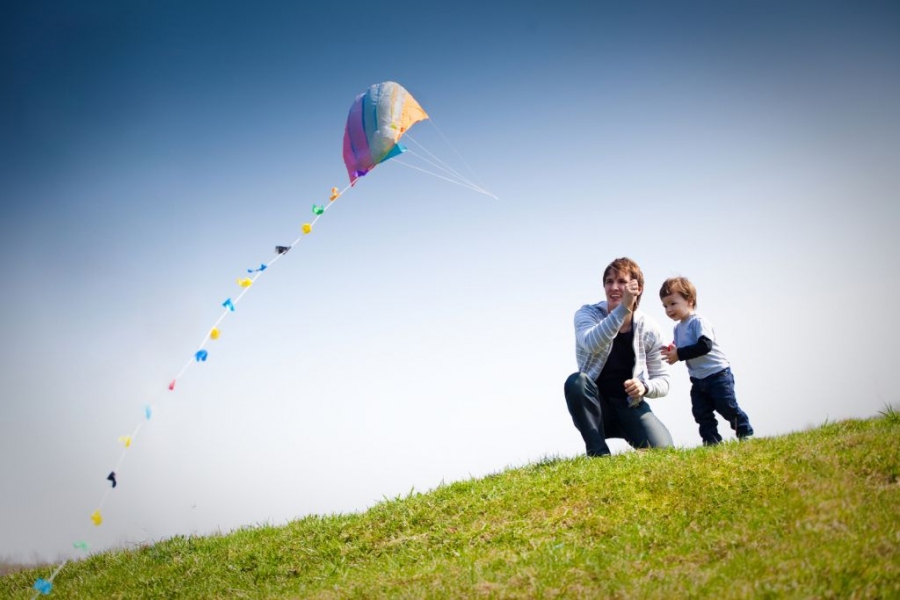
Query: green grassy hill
807,515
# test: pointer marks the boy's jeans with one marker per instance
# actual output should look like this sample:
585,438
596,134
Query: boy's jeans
716,393
598,419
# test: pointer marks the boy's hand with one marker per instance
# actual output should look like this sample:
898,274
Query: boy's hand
670,354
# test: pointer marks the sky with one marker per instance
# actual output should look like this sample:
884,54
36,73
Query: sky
152,151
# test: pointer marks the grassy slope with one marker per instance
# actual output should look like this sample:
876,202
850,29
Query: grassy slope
812,514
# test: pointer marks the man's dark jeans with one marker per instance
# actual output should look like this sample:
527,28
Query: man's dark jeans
598,418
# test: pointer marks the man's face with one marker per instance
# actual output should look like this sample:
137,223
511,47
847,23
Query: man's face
614,286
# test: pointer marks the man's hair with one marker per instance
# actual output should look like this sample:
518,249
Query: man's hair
628,267
679,285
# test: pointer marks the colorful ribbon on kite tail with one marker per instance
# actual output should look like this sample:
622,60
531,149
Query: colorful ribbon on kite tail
377,120
45,586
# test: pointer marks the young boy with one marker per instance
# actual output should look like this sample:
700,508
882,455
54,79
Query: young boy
712,386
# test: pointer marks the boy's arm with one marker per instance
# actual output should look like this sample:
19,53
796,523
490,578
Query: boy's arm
703,346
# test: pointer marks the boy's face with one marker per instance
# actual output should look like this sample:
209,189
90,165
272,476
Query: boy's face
676,307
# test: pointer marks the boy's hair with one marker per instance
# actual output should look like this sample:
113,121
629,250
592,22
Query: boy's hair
630,268
679,285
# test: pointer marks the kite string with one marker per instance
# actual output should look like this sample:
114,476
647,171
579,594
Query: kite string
42,586
259,273
230,304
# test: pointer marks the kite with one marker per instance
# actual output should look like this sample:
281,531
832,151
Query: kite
377,120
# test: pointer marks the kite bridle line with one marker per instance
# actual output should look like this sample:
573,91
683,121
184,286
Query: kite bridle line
457,182
44,586
436,162
458,154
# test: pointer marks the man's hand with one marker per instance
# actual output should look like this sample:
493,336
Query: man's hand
630,293
634,388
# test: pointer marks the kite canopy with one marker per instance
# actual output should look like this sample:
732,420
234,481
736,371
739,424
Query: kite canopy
377,120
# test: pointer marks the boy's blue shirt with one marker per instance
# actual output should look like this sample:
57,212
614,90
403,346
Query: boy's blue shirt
688,333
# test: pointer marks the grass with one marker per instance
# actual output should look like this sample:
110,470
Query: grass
814,514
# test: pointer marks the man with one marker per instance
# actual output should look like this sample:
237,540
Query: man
619,354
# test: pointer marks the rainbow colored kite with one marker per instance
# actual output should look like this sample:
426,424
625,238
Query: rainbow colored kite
377,120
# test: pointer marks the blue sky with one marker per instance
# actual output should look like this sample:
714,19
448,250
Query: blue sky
151,152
